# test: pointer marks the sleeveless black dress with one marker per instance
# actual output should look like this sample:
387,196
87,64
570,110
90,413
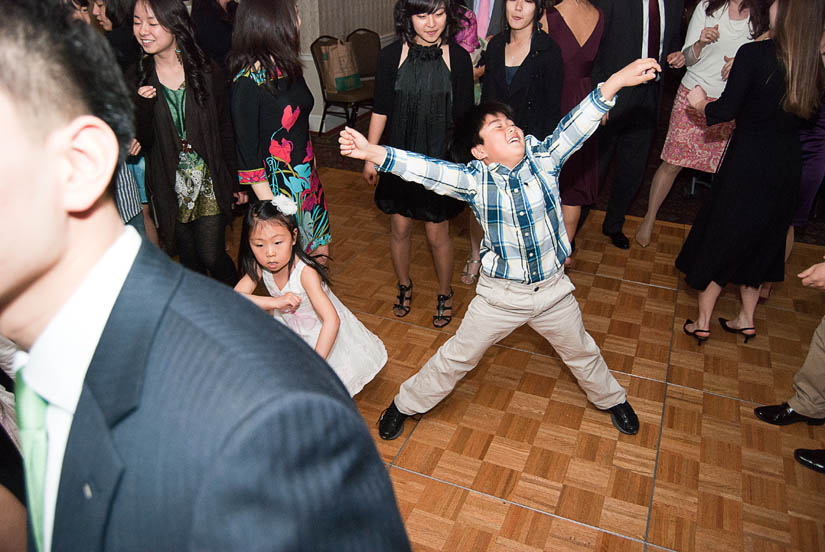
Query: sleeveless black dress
422,113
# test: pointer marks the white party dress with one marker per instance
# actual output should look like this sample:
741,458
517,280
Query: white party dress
357,354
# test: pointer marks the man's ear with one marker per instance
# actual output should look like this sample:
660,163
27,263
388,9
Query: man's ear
88,151
479,152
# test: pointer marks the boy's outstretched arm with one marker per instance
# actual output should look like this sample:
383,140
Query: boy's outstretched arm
354,144
635,73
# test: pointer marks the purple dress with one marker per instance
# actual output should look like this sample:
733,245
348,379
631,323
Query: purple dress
579,179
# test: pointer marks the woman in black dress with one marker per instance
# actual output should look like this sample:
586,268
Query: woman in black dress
423,82
739,234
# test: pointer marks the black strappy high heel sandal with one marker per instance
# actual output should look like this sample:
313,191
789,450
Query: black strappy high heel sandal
440,319
402,307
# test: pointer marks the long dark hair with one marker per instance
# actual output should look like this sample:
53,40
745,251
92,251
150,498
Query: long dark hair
797,34
172,15
119,11
405,9
757,13
262,211
266,32
540,6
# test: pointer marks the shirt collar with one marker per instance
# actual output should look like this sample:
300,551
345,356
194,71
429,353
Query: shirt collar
56,365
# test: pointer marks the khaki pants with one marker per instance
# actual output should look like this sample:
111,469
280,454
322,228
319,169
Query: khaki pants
809,380
500,307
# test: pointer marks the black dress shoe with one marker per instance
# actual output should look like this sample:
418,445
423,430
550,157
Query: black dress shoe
618,239
814,459
624,418
783,414
391,423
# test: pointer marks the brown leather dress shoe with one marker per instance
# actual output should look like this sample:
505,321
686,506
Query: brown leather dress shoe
783,414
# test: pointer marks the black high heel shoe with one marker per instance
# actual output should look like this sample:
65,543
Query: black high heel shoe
748,336
440,319
695,333
402,307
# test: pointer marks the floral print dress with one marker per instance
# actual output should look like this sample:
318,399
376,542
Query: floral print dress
271,120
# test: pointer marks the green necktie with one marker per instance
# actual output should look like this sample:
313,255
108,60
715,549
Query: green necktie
31,418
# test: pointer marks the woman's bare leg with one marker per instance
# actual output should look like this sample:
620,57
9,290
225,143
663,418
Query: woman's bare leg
400,232
438,234
750,297
707,300
471,269
149,222
659,188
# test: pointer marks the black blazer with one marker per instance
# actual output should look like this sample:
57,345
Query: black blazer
534,95
203,424
622,43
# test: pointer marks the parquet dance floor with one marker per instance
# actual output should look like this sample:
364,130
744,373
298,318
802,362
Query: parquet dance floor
516,459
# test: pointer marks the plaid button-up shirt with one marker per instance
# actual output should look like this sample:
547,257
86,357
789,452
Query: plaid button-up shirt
519,209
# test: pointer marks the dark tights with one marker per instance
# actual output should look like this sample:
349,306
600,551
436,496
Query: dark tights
202,248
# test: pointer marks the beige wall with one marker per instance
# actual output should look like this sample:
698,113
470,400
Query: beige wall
340,17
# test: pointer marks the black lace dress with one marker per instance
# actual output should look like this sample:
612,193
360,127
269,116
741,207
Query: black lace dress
419,117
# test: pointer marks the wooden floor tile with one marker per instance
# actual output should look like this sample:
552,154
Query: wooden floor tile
516,459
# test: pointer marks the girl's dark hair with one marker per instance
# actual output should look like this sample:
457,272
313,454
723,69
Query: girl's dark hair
405,9
758,13
266,32
119,11
540,6
797,34
261,211
172,15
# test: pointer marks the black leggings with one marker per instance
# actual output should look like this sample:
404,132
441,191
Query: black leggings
202,248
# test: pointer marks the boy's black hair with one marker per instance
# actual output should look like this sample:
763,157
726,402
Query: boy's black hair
405,9
467,128
264,210
55,68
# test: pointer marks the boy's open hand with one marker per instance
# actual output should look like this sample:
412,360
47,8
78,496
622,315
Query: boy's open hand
637,72
353,144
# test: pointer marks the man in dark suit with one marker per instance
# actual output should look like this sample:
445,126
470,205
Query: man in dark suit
161,410
629,128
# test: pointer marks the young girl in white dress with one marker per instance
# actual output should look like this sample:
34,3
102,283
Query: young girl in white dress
300,294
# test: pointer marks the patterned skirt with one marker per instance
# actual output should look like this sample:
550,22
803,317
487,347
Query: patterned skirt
690,143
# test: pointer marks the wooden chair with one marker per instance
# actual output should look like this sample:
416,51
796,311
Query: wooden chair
347,102
366,44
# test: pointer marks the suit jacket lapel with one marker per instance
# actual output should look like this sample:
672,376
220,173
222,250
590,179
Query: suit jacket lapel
92,466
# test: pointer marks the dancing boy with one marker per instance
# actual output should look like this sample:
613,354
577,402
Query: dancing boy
512,188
